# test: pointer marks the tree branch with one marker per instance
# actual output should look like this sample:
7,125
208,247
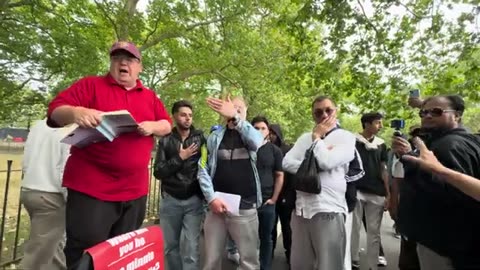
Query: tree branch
185,75
20,87
154,73
156,82
112,22
130,8
157,21
167,74
181,32
377,33
19,4
231,81
40,5
41,80
409,10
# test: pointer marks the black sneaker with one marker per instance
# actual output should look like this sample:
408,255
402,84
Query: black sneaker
355,265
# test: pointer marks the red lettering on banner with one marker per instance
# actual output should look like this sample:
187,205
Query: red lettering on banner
138,250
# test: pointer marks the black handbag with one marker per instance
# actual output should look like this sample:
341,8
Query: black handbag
306,178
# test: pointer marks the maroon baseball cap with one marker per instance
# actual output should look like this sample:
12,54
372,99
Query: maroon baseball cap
126,46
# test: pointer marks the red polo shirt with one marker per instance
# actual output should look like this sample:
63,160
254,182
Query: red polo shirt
117,170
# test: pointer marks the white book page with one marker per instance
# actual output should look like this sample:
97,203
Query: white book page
231,200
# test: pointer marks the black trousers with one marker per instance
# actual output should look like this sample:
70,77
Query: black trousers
90,221
284,213
408,259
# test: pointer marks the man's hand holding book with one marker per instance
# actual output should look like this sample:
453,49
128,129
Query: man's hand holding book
87,118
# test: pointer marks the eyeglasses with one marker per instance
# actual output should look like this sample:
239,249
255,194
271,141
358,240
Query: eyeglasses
435,112
318,113
129,59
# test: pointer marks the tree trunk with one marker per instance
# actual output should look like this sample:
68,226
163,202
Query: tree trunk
127,15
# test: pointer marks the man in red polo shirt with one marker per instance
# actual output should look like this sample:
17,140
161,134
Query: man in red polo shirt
108,181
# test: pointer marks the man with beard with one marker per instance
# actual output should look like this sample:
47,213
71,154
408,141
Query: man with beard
107,182
437,215
372,189
181,210
228,165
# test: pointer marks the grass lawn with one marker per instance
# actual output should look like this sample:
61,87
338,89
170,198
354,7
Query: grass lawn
12,225
12,204
16,157
14,183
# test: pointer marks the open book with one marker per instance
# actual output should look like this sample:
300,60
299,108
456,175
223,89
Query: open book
112,125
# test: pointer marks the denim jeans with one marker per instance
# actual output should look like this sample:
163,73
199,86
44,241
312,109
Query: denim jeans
181,217
266,220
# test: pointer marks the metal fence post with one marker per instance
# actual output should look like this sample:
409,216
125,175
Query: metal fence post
4,210
17,229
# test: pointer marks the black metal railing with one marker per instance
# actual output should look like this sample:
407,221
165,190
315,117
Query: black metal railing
15,223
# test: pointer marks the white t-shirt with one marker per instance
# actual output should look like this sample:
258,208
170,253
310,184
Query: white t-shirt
44,159
397,168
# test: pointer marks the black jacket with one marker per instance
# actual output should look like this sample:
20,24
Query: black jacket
435,213
355,172
287,194
179,177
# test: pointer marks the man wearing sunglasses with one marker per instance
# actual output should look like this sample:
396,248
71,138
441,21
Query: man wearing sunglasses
318,222
442,220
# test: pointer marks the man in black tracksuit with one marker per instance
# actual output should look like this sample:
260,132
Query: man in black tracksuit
286,200
442,220
176,165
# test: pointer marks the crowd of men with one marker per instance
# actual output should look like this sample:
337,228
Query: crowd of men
94,193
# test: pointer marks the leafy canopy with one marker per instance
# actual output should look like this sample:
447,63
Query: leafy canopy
366,54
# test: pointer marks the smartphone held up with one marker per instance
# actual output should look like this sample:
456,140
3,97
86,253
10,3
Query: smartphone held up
415,93
397,124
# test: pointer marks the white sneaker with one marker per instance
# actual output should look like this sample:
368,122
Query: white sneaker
234,257
382,261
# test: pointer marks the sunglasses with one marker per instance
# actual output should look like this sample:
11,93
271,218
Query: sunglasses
435,112
318,113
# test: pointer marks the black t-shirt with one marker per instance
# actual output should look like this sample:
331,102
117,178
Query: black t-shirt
372,159
234,172
269,161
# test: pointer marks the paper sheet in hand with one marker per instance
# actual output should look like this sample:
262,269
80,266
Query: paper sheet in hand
113,124
231,200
